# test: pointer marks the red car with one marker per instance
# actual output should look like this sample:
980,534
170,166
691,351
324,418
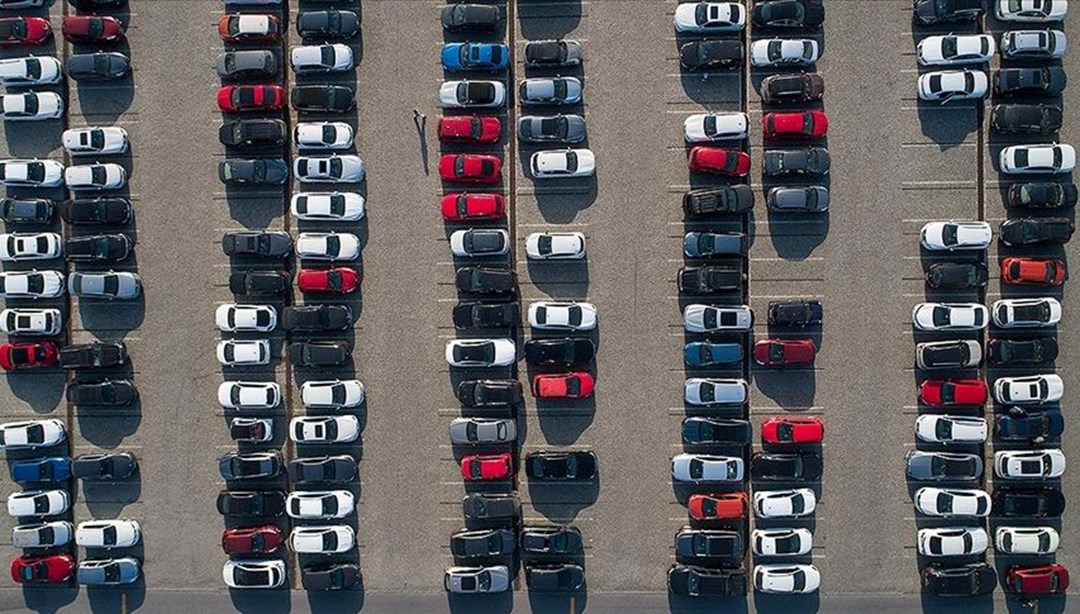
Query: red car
801,124
92,29
251,540
462,206
719,161
21,31
249,27
576,385
722,506
469,129
792,429
487,467
776,352
28,355
46,569
470,168
1035,271
1037,580
243,98
340,280
953,392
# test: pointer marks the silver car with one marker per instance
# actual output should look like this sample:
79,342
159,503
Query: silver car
468,580
707,468
470,431
943,466
107,572
550,91
246,63
699,318
108,285
557,129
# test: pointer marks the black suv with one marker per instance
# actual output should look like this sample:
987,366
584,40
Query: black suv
1028,502
1034,231
319,353
486,315
491,507
93,355
806,161
692,581
1046,80
699,431
1017,351
97,211
795,313
962,581
711,545
259,283
262,504
97,248
485,280
805,87
769,466
252,133
326,98
1027,118
711,279
559,352
108,392
562,466
941,275
316,318
928,12
490,393
27,210
1041,195
723,199
706,54
108,466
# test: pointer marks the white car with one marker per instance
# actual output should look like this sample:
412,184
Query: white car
327,246
42,534
1031,389
31,434
472,94
698,318
946,85
794,503
476,431
1026,312
29,246
555,246
949,316
955,49
1026,540
105,285
708,17
29,106
324,429
108,534
952,541
1033,44
561,163
242,353
255,573
255,430
31,173
781,542
1029,464
952,502
480,353
347,168
954,235
38,503
707,468
940,428
786,578
784,52
323,135
322,540
328,206
706,127
712,391
334,57
470,580
249,395
1046,158
1039,11
479,242
106,140
32,284
31,321
108,176
320,504
232,317
553,315
31,70
332,394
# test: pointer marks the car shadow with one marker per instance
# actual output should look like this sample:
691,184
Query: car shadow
561,502
107,427
43,390
107,499
540,20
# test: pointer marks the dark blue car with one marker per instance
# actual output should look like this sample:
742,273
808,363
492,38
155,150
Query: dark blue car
704,354
51,469
475,56
1019,424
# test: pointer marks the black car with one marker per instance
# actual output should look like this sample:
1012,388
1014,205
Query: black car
706,54
252,133
97,211
717,545
330,576
723,199
93,355
325,98
249,429
259,283
559,352
788,14
806,161
485,280
804,87
770,466
1046,80
316,318
576,465
27,210
552,53
97,248
795,313
486,315
1036,231
693,581
556,577
711,279
462,17
328,24
108,466
262,504
565,540
247,64
467,544
1022,351
258,171
1041,195
798,199
1028,426
108,392
264,244
1028,502
236,466
1026,118
490,393
928,12
942,275
490,507
98,66
339,468
319,353
698,431
962,581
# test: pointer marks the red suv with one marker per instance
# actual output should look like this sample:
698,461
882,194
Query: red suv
783,352
462,206
576,385
92,29
21,31
1037,580
792,429
953,392
28,355
721,506
251,540
470,168
719,161
1034,271
48,569
339,280
469,129
487,467
244,98
801,124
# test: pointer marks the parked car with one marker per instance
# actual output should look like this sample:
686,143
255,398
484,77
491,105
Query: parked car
711,54
1032,44
31,321
243,352
97,211
707,468
706,431
794,313
718,506
31,434
485,315
340,468
335,280
1029,464
715,391
108,572
330,24
328,206
470,168
556,540
549,91
554,315
949,316
329,576
947,85
1028,502
710,279
957,354
248,27
232,317
569,128
263,504
324,429
956,275
1043,81
784,52
1037,579
1033,271
1030,10
473,580
784,352
959,581
475,17
952,541
1041,195
786,578
792,430
718,161
483,543
1026,540
792,503
42,569
27,210
472,94
98,66
31,284
30,70
46,469
945,428
28,355
575,465
808,199
106,466
788,467
943,393
332,394
952,502
709,545
38,503
485,280
316,318
254,573
719,200
698,318
799,124
122,533
477,431
709,17
333,539
781,542
954,235
327,246
1026,118
566,163
258,283
952,49
320,505
250,465
545,53
480,352
249,395
1035,231
475,56
555,246
103,392
42,534
322,98
943,466
556,352
480,467
252,132
1019,424
803,87
251,540
807,161
31,106
469,129
714,244
491,507
1047,158
20,31
693,581
251,98
246,64
17,246
1026,312
324,58
344,168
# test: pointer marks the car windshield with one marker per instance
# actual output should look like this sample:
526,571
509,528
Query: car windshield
326,55
108,535
948,47
776,352
710,317
707,392
697,469
708,507
35,172
573,386
940,316
571,162
17,28
785,431
944,503
483,580
948,392
558,88
943,429
948,234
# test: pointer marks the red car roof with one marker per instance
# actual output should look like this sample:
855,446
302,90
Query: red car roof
803,429
460,206
714,159
318,280
239,540
792,352
728,505
489,467
1042,271
794,124
556,386
957,391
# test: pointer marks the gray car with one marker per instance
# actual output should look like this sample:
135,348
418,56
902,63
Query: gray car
550,91
470,431
809,199
558,129
98,66
247,63
483,543
943,466
711,244
553,53
107,285
107,572
469,580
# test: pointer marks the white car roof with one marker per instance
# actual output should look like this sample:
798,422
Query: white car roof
254,24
